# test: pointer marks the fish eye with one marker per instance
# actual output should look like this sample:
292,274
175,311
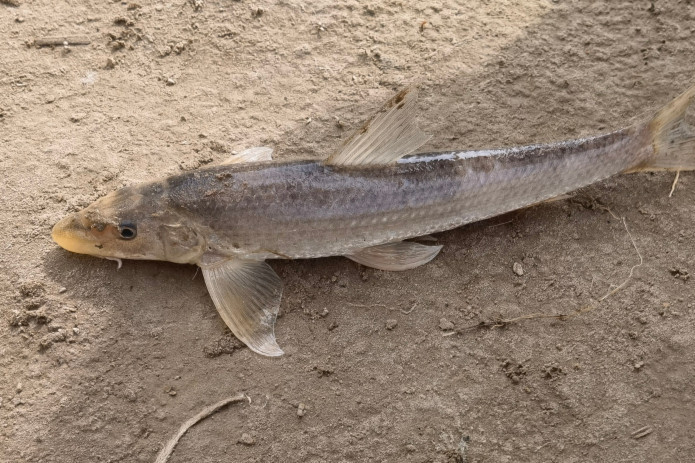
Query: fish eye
128,231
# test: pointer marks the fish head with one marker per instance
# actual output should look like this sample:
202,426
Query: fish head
130,223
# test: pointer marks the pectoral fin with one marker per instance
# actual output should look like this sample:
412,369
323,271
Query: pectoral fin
403,255
255,154
247,296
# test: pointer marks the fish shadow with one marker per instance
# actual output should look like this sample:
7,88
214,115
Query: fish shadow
140,290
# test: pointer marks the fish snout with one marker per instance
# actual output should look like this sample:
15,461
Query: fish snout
71,233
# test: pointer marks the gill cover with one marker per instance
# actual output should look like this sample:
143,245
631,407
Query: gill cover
182,244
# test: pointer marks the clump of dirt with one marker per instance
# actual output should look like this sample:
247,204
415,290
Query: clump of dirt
227,344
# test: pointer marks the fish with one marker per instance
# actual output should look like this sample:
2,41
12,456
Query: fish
367,201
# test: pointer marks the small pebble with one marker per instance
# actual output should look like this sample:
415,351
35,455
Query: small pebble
301,410
19,387
110,63
62,290
446,325
391,324
325,312
171,81
246,439
518,269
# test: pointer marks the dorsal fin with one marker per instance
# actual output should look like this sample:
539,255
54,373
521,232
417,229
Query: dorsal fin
389,135
255,154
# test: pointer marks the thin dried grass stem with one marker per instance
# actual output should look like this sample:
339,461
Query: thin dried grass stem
675,182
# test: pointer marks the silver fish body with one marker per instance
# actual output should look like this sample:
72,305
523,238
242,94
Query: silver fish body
307,209
363,202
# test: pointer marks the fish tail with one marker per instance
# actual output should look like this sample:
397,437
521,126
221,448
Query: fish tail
673,135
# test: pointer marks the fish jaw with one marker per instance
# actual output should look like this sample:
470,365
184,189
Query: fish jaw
72,234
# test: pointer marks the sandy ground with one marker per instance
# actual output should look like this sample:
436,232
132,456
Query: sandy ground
99,365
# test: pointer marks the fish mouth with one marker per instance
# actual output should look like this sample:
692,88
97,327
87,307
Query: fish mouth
71,234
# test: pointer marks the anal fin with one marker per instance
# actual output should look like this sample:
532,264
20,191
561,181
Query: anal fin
402,255
247,295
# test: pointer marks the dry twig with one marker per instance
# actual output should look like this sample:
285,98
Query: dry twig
168,449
